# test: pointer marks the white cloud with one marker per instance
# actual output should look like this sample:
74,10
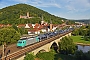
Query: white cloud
50,3
78,5
88,1
3,4
70,7
20,1
39,3
74,5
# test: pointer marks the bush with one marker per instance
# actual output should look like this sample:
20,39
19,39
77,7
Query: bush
45,56
29,57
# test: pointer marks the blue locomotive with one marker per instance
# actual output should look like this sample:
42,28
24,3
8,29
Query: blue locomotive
27,41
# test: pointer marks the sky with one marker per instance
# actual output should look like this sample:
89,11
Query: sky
69,9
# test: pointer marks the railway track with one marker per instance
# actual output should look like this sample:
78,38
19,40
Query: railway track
30,48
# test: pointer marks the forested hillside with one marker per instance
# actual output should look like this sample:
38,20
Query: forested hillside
11,14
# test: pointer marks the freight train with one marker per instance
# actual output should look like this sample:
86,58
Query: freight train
27,41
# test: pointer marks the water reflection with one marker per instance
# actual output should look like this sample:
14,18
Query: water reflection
83,48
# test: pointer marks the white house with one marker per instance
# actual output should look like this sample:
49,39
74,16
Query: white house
26,26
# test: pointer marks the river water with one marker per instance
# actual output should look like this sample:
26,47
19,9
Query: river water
84,48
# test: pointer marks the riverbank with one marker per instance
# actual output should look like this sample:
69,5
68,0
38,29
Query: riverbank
82,44
79,40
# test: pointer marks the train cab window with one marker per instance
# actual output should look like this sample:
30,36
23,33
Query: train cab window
19,42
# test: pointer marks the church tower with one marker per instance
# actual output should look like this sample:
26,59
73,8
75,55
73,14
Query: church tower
42,22
51,25
28,14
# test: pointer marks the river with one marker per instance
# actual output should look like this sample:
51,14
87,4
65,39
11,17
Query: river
83,48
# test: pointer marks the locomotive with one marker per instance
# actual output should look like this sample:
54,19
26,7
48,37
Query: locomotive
27,41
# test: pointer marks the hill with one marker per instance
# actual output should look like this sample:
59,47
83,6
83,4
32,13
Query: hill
11,15
85,21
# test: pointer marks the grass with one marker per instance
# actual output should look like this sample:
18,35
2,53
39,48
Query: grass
79,39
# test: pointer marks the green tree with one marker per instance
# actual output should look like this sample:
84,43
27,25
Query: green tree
82,31
22,30
70,22
86,33
75,32
79,55
45,56
29,57
88,55
9,35
15,27
66,46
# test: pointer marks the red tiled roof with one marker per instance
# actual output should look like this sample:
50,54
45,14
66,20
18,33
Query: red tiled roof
34,30
1,25
9,25
30,25
21,25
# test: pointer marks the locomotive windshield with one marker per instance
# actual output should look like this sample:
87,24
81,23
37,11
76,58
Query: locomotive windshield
19,42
